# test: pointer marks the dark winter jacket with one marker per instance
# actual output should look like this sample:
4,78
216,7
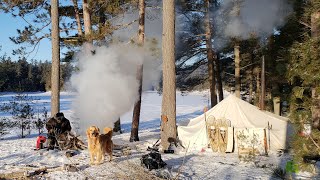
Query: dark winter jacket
58,123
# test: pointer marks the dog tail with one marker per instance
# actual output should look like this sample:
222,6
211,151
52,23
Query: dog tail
108,131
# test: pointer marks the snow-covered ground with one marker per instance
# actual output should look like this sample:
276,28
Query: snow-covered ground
18,155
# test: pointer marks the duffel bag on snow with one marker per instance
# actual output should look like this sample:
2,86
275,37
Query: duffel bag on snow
152,160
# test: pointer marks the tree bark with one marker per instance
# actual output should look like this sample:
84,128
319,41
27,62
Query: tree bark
237,70
102,22
219,79
217,67
55,67
117,126
87,25
258,89
137,107
77,15
251,79
142,7
211,69
263,85
315,16
22,135
136,111
168,114
315,32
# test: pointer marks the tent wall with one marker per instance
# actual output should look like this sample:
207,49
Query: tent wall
242,115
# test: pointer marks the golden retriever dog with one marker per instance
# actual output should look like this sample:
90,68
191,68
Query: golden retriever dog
99,144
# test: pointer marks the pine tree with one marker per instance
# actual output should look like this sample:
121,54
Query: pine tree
78,19
304,75
87,24
137,107
237,70
55,77
168,114
210,57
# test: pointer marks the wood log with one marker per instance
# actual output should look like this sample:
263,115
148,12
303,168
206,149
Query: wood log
265,142
27,174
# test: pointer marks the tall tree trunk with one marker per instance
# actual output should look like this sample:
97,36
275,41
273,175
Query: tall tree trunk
315,16
237,70
263,85
211,69
251,79
55,67
258,89
137,107
141,31
315,32
217,65
22,135
87,26
77,15
117,126
168,114
102,22
219,79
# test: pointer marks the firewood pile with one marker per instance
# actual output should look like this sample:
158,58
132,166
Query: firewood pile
121,150
70,141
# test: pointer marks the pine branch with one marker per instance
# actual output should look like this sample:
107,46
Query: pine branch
314,142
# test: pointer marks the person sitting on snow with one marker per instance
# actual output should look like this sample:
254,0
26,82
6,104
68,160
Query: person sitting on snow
58,129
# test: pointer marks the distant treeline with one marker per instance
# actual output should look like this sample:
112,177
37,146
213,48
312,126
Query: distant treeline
22,75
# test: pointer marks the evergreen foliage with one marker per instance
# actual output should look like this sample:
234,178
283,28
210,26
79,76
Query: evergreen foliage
42,119
304,75
20,107
4,125
22,75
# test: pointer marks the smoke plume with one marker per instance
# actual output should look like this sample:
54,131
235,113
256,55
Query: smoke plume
106,85
241,18
153,23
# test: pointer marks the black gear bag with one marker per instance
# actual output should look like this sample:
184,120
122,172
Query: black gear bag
152,160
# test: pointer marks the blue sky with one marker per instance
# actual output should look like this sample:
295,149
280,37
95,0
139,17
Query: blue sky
9,29
11,24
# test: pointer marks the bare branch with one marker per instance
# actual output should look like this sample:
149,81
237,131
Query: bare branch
125,25
305,24
38,41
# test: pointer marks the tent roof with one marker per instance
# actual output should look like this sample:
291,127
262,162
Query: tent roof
243,114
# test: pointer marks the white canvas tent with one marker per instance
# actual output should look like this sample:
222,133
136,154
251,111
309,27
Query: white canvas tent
242,115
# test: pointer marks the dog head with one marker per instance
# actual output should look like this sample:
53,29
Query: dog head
93,132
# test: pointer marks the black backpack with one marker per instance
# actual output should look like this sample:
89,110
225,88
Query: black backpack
152,160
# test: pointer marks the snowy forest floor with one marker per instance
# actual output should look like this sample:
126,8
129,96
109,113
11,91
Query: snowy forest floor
19,157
